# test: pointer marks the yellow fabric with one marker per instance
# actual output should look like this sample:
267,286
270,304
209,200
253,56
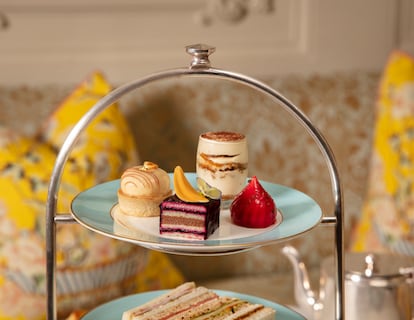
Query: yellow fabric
387,221
103,151
158,273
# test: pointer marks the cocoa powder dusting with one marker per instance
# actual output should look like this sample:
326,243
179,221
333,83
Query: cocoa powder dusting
223,136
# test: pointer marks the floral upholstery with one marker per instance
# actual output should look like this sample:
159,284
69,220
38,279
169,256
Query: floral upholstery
166,118
91,268
387,220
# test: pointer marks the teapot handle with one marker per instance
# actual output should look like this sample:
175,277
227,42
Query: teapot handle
409,273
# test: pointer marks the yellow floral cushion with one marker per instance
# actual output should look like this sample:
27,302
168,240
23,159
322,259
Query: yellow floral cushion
387,221
91,268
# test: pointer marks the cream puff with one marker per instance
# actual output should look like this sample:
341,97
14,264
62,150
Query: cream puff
142,189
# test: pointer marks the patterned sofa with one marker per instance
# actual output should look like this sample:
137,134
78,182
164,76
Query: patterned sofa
166,118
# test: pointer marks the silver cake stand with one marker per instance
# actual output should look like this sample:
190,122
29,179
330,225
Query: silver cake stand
200,66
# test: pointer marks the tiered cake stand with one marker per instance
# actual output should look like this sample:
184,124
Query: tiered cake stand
292,203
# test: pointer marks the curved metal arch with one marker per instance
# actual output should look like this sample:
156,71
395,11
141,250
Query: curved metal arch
204,71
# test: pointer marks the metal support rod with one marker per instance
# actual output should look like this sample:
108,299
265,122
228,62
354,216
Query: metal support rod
113,96
329,221
64,218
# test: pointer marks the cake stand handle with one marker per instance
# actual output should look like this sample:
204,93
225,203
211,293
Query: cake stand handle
200,54
200,66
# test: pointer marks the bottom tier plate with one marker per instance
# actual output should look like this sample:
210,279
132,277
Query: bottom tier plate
113,310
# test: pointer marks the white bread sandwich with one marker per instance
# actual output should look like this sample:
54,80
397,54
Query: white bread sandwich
188,302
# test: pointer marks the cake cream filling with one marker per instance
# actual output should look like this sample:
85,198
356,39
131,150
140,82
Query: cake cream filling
221,162
229,183
183,221
183,215
182,228
183,235
227,173
196,208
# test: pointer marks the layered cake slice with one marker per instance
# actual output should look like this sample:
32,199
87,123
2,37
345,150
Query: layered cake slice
188,214
189,220
189,302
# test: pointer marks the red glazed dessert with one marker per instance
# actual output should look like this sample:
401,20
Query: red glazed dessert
253,207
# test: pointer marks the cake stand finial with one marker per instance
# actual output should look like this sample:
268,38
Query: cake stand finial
200,53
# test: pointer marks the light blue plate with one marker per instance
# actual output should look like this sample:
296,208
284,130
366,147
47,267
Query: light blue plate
113,310
95,209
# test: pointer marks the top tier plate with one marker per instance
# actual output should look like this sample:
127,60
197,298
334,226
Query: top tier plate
96,209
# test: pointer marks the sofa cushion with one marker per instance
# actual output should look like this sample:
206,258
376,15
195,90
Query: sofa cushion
387,221
91,268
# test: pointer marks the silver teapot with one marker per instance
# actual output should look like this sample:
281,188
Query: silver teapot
377,286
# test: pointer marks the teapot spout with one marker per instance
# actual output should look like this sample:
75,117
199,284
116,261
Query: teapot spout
305,297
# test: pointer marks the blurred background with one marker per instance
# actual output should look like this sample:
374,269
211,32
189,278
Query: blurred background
326,56
47,41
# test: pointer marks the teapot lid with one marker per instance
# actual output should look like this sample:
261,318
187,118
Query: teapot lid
369,266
